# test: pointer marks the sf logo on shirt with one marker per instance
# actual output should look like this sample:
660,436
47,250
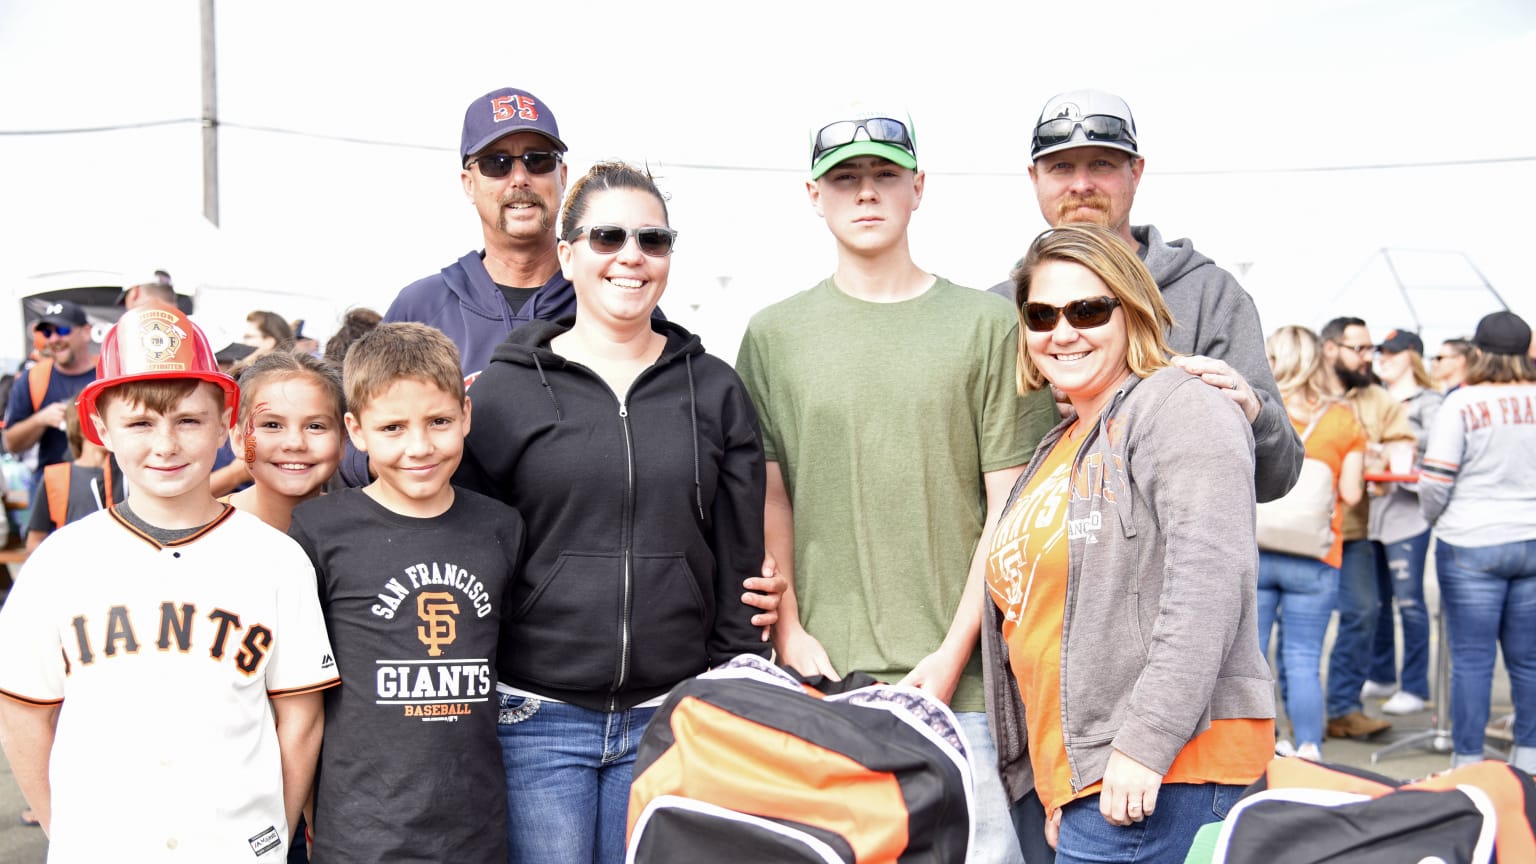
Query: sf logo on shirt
436,609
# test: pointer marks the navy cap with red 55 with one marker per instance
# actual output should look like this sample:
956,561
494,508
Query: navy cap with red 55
498,114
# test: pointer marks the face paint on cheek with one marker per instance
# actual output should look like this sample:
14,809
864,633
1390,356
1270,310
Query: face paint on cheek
250,433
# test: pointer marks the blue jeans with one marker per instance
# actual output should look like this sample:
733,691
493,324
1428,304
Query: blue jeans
1489,594
1359,605
568,773
1303,591
1400,575
1086,836
994,841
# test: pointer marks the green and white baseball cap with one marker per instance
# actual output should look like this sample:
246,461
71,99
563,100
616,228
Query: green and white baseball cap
862,131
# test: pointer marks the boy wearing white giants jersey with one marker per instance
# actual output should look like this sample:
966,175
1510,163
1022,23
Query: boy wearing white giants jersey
413,574
163,660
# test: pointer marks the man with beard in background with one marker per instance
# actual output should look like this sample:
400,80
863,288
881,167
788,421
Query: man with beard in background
34,413
1347,352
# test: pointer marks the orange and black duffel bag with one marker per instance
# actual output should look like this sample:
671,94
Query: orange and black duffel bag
748,763
1304,812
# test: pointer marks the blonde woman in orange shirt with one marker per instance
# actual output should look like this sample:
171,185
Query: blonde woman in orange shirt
1124,673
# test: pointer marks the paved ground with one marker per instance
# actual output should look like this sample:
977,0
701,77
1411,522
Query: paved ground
25,845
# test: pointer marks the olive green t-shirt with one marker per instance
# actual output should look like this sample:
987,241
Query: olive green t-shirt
883,418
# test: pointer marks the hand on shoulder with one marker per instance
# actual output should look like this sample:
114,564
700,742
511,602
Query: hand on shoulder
1221,375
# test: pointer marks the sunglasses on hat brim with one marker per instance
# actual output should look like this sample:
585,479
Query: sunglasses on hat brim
882,129
1096,127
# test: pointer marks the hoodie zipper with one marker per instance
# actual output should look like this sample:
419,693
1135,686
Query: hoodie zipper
1099,430
628,601
627,598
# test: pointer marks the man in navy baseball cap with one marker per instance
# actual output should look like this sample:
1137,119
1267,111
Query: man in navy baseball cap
512,168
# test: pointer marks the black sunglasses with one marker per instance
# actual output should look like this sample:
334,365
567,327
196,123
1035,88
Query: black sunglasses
498,165
882,129
46,330
608,239
1096,127
1081,314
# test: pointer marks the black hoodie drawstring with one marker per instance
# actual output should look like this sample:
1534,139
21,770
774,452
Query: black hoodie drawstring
545,381
693,415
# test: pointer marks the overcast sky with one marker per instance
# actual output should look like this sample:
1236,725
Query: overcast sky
1238,105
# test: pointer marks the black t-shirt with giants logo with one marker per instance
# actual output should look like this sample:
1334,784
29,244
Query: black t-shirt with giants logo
410,767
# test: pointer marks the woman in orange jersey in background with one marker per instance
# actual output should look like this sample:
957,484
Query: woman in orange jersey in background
1122,639
1301,590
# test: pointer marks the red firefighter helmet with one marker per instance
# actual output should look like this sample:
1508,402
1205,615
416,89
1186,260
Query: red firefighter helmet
153,342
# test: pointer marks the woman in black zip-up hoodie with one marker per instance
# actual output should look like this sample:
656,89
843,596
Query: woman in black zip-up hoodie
636,461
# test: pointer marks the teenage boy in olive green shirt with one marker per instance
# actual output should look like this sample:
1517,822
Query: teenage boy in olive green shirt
893,432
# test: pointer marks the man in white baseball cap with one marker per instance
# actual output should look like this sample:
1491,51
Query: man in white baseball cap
1086,166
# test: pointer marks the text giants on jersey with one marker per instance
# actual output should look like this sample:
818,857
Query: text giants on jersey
176,626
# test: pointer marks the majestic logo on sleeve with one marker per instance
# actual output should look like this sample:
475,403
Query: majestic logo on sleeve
436,609
433,685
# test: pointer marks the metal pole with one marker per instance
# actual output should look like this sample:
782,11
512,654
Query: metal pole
210,119
1438,737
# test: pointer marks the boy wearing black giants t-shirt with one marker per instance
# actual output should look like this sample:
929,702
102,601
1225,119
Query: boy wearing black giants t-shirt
412,575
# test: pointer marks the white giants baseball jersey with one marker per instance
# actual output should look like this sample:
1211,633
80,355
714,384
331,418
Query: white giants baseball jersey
164,660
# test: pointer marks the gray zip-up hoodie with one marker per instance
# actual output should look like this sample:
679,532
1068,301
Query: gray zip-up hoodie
1213,316
1160,633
